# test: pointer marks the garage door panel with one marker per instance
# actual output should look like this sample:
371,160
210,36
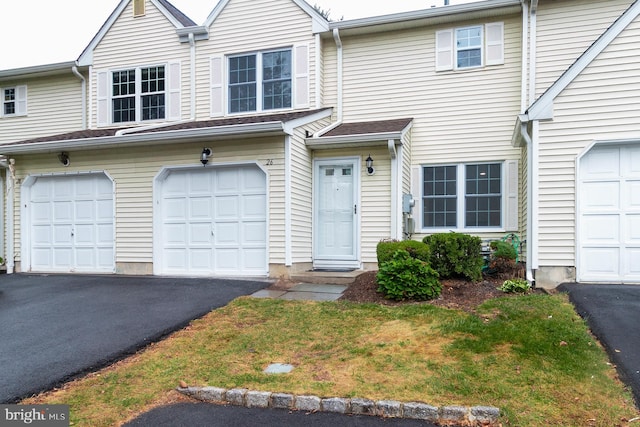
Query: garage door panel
253,233
85,259
84,211
632,162
62,235
600,195
200,234
63,258
601,229
227,207
227,260
40,213
104,210
42,258
254,259
632,195
253,206
62,190
85,234
176,259
253,180
228,181
200,208
632,262
200,259
63,211
227,234
199,184
42,235
175,209
602,261
175,234
104,235
601,163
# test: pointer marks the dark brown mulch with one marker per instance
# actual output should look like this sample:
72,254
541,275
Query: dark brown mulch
456,294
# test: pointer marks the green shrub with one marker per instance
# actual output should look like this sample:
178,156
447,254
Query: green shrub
503,250
515,285
456,254
404,277
416,249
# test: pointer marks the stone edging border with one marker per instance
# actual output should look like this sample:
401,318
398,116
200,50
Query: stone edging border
445,415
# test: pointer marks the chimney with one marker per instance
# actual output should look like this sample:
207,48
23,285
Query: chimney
446,2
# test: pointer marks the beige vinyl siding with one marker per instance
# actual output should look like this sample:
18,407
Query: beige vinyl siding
240,29
302,194
458,115
599,105
63,92
143,41
133,171
565,30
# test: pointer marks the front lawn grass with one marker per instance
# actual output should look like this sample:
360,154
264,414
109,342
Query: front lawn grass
531,356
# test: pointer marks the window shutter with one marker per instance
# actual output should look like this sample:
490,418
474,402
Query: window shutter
444,50
416,192
21,100
174,107
103,99
495,43
217,98
511,194
302,76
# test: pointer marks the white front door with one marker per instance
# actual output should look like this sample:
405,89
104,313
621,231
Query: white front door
609,215
213,221
71,222
336,213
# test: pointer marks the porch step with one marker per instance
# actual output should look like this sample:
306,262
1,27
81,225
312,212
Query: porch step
326,277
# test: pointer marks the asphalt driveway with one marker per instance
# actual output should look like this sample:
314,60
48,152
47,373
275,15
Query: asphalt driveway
57,327
613,315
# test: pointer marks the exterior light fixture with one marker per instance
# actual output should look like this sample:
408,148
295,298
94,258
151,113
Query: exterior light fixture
204,157
370,169
64,158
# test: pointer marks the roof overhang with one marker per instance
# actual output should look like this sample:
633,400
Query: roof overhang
253,130
37,71
433,16
162,134
353,141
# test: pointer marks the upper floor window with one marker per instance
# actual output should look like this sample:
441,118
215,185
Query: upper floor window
138,94
470,47
14,101
260,81
469,196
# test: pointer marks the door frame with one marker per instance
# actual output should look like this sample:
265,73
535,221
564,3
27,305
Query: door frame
336,264
158,181
25,215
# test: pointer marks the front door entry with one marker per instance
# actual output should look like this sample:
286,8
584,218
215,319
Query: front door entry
336,213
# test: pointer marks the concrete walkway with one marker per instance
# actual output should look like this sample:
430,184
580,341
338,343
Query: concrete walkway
304,292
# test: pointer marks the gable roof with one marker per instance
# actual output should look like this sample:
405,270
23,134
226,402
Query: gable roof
320,24
542,108
175,16
227,128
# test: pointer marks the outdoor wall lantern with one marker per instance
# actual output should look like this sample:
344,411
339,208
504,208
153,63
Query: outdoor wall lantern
370,169
64,158
204,157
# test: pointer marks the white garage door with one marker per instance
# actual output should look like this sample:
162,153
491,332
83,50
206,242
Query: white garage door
214,221
71,224
610,215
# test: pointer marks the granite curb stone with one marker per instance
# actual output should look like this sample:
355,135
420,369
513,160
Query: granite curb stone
485,416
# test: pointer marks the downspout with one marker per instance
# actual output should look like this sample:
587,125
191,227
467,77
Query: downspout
317,72
525,56
533,176
11,181
75,71
288,204
192,48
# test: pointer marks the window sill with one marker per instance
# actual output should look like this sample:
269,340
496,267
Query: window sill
477,230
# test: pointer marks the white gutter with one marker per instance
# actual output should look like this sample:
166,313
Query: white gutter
378,139
75,71
192,48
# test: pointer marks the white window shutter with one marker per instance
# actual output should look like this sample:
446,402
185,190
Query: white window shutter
217,90
512,207
174,104
301,86
416,192
21,100
494,34
103,99
444,50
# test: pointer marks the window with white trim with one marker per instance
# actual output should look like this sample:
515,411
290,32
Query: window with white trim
138,94
260,81
14,101
470,47
463,196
